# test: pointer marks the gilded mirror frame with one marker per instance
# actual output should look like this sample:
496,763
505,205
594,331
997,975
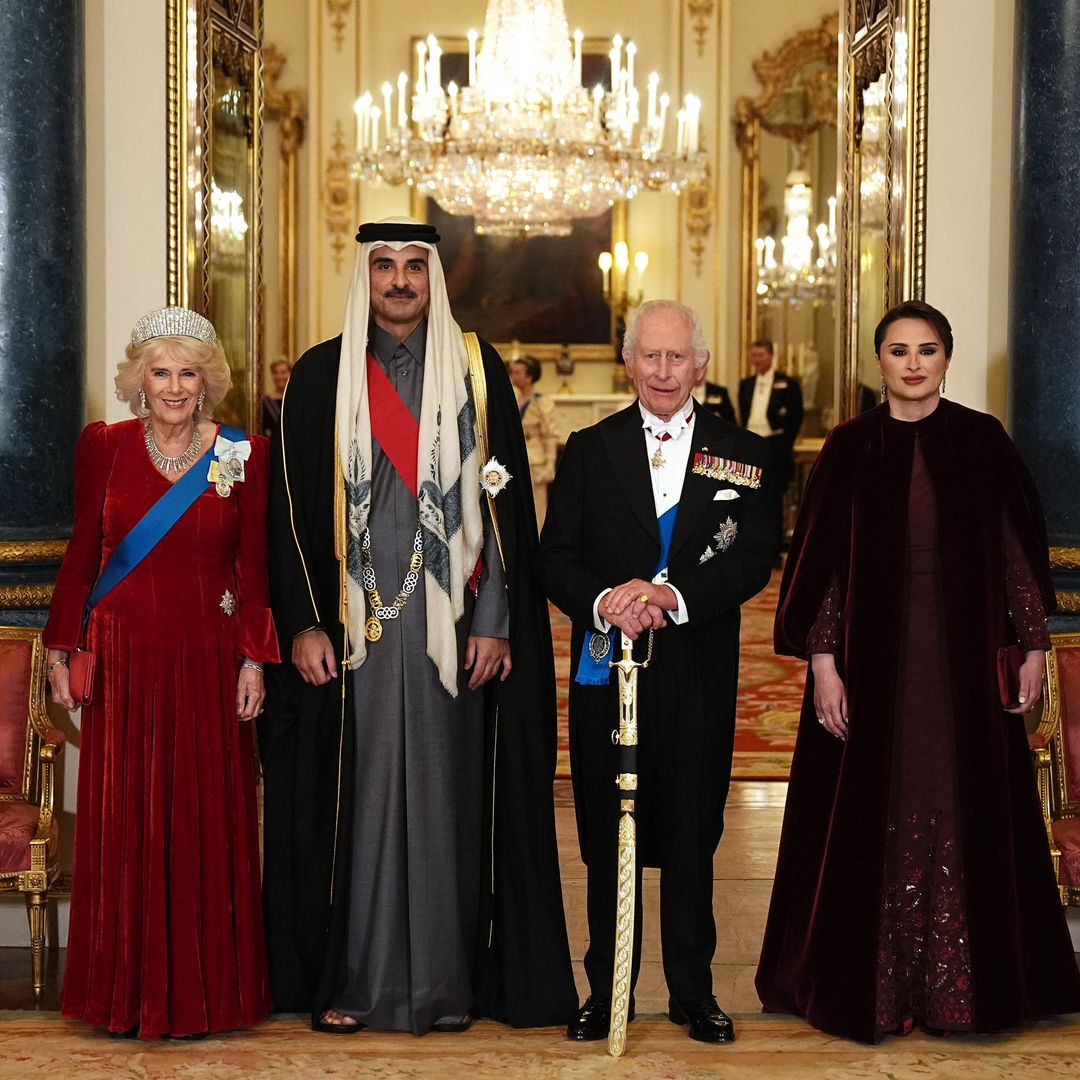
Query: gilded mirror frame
878,38
204,35
777,73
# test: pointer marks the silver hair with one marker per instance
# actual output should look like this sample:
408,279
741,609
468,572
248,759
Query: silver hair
701,351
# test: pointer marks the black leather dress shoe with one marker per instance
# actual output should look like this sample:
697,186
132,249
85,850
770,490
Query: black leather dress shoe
594,1020
708,1022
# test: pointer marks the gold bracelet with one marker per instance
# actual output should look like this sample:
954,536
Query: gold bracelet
53,663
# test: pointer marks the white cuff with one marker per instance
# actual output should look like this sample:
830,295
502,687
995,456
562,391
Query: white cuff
601,624
679,615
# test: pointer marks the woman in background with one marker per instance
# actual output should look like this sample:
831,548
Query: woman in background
280,370
538,423
914,884
166,932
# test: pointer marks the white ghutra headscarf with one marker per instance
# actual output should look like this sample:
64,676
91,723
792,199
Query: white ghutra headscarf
448,471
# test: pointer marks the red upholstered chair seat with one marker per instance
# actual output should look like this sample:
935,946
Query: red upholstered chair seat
1068,665
29,747
18,823
1067,839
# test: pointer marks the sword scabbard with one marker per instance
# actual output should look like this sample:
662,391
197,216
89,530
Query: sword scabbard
626,891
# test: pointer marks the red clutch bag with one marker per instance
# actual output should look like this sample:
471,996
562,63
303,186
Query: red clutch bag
81,664
1009,660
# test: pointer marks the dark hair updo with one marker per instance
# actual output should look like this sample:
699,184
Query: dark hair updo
916,309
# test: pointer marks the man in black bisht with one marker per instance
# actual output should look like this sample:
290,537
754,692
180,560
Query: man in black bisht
660,520
412,877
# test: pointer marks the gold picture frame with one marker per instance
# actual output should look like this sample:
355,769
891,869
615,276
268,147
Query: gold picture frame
214,140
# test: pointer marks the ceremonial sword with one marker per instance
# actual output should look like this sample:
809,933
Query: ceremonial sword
626,890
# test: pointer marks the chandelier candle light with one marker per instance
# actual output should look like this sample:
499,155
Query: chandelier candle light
525,148
798,275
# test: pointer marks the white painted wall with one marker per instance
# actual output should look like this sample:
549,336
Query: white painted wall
969,186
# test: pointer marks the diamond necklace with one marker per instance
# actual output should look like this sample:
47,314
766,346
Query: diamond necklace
172,464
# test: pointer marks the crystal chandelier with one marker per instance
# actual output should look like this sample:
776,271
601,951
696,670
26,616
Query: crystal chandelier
798,275
524,147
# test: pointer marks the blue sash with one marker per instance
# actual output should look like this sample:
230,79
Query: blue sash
593,667
156,522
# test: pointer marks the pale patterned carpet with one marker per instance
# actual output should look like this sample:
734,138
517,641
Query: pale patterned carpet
767,1049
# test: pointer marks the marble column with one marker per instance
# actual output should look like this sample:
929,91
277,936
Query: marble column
42,291
1044,330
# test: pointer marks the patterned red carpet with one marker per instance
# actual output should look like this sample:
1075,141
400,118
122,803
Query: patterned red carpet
770,693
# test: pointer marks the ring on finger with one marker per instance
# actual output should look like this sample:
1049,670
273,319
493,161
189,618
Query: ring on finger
821,719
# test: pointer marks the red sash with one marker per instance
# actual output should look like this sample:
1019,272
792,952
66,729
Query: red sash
392,425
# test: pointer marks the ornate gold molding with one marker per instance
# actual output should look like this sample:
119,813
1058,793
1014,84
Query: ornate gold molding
1065,558
202,35
32,551
25,597
286,107
339,14
700,16
1068,603
699,202
887,38
338,196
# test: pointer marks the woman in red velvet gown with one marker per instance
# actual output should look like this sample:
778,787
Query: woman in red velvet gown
166,934
914,883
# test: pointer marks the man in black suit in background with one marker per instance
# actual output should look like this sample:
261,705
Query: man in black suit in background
661,519
771,405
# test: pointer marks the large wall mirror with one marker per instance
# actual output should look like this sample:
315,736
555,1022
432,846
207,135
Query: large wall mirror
882,191
215,118
787,136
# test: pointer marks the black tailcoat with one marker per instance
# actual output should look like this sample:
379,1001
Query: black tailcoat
601,530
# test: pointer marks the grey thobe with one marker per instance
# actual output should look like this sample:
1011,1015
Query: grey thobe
417,849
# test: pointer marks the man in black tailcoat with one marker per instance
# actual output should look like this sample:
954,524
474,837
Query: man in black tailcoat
771,405
661,521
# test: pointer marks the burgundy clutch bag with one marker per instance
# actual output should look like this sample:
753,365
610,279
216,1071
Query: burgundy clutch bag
81,664
1009,659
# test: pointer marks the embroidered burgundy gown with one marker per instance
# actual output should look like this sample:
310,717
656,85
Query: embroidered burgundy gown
913,883
166,932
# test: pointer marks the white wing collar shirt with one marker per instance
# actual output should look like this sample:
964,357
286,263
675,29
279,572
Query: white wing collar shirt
667,444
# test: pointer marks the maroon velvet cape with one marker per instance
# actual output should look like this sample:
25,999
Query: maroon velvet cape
819,958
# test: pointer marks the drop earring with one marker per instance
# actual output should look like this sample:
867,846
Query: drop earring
142,399
884,391
941,389
202,399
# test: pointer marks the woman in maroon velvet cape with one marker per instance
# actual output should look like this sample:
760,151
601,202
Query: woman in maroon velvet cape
914,882
166,934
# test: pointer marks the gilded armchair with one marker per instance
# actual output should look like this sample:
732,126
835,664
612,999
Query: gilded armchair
29,747
1056,746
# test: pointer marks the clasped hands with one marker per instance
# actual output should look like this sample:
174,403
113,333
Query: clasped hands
637,606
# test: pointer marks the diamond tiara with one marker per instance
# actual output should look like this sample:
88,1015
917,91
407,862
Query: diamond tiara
174,322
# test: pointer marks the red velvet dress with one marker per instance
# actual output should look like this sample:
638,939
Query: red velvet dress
166,930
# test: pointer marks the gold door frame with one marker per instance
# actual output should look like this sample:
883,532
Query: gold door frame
890,38
197,33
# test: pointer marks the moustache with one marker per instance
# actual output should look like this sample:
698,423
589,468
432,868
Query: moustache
406,293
